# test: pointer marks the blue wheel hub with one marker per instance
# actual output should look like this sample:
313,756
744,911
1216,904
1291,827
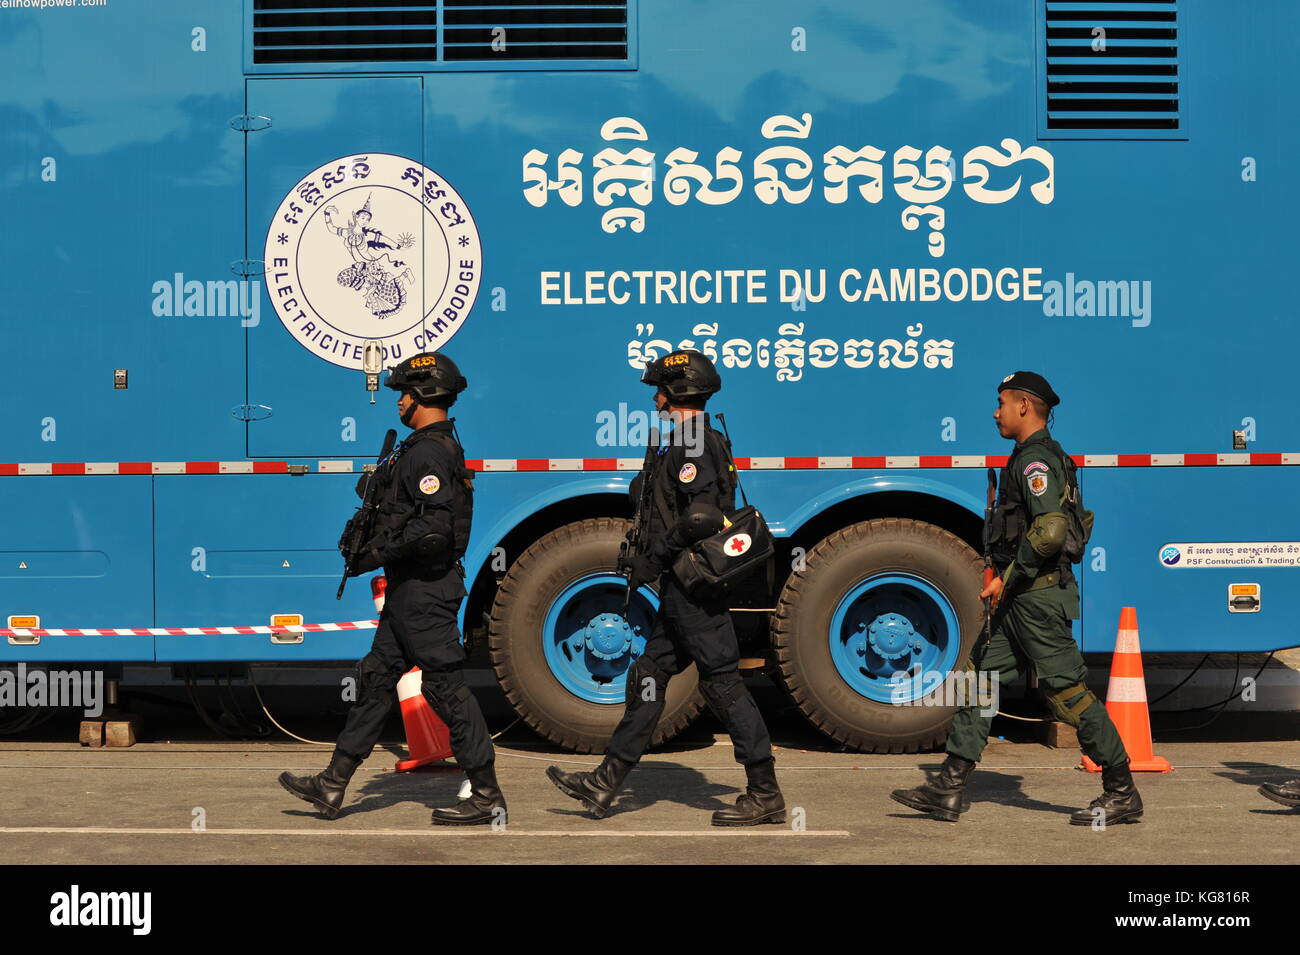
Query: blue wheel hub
891,636
894,637
588,644
608,636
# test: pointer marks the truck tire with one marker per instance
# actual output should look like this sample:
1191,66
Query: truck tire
875,600
559,644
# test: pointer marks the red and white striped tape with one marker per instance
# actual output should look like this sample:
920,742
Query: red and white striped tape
785,463
187,631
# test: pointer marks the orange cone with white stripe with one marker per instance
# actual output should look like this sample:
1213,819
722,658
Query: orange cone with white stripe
1126,700
427,737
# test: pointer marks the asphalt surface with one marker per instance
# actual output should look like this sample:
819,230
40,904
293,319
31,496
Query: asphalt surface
219,803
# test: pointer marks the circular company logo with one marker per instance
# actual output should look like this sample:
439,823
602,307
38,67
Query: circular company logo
1170,555
737,545
372,247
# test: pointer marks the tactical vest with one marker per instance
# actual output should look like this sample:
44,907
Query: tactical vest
396,507
670,501
1010,522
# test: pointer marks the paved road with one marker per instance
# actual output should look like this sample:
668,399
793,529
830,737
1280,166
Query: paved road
60,803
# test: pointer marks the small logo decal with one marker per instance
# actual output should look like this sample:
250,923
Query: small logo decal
737,545
687,474
1037,484
1170,555
429,484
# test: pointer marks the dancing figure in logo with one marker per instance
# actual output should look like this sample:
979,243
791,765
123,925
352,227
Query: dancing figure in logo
384,291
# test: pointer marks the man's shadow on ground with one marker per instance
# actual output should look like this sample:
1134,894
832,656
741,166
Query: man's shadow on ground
650,783
436,785
989,786
655,781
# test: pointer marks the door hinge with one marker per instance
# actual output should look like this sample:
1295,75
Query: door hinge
247,267
249,124
251,412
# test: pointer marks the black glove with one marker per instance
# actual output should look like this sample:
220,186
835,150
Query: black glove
644,570
368,560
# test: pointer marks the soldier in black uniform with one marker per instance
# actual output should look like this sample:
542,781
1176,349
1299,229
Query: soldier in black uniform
422,528
694,483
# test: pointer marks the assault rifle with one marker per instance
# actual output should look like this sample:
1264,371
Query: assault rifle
634,542
361,526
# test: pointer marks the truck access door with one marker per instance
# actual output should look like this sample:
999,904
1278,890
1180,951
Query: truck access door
343,256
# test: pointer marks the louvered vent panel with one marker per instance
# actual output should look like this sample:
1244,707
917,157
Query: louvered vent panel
344,31
299,34
1112,67
535,30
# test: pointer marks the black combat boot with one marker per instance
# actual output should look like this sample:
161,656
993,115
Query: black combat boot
760,802
1287,793
324,789
1119,799
944,796
596,789
484,805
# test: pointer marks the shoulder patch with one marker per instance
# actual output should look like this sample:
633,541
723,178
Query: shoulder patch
1035,466
687,474
1037,483
429,484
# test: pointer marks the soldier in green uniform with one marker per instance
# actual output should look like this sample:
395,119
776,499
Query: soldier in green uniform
1033,601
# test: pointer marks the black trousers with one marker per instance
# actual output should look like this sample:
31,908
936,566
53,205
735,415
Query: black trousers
687,630
418,628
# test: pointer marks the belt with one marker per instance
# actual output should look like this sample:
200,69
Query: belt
1044,580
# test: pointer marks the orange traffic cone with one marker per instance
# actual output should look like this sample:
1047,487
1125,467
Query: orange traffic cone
427,737
1126,700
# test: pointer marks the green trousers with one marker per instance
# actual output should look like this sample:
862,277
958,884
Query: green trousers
1034,627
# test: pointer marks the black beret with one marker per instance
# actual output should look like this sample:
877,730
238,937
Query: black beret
1033,383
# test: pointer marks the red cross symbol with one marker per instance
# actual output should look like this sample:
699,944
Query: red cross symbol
737,544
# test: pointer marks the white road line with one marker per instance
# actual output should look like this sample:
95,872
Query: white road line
429,833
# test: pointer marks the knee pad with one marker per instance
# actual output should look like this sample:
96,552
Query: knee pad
445,691
722,690
643,669
1070,704
374,679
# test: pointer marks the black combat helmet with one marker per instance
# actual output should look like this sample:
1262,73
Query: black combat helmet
683,374
428,376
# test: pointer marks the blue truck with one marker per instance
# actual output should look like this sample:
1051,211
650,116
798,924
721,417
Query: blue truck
230,217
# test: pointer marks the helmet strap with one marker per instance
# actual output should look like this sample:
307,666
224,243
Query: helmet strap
409,413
